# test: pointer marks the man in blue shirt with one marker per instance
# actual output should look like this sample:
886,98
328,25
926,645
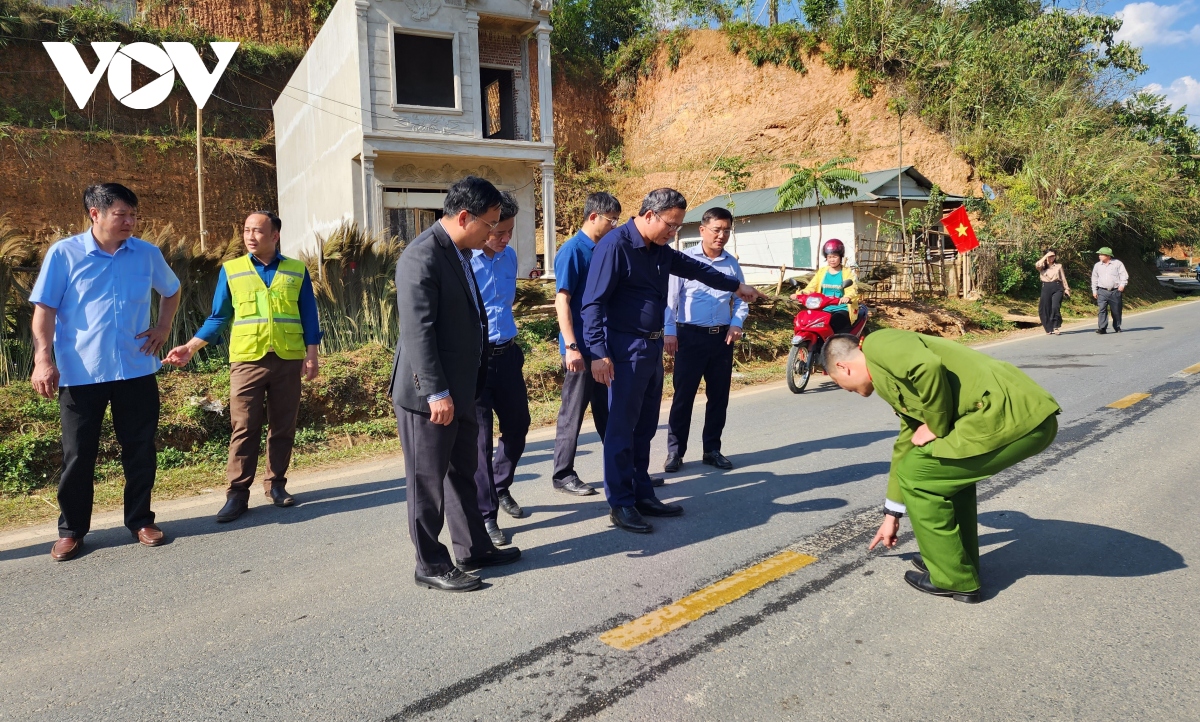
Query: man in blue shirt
623,311
92,307
702,325
495,270
263,379
602,213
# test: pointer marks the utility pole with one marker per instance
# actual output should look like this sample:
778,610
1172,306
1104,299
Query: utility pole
200,175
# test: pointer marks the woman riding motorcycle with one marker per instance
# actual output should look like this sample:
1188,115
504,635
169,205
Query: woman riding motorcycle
831,280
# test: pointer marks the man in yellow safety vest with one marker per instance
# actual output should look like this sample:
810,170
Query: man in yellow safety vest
273,343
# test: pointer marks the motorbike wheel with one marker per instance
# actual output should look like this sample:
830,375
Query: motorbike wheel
799,368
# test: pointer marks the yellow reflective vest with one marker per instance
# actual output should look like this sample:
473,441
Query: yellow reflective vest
265,319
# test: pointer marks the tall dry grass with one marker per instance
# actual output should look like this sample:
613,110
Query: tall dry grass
354,280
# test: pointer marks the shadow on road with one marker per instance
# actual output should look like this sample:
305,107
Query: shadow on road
1053,547
309,505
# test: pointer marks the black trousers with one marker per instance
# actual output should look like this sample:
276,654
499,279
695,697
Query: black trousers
578,392
701,355
135,420
1049,307
839,321
505,397
439,471
1106,301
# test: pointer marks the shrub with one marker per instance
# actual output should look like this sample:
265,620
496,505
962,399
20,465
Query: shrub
29,461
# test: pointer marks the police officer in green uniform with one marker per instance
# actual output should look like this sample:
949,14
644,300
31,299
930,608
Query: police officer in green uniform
964,416
273,343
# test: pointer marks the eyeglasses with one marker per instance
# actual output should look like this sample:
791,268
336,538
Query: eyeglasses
491,226
719,232
611,221
673,227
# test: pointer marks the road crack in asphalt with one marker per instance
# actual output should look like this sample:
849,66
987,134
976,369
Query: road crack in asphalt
591,663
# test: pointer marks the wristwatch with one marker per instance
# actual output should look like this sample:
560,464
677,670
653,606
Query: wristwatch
892,512
573,346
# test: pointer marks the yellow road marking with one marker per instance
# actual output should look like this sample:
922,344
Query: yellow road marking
1128,401
1193,369
693,606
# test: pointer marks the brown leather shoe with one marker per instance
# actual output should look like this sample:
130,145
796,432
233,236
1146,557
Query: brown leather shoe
150,535
66,549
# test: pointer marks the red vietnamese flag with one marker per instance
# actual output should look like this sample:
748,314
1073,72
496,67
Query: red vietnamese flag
959,227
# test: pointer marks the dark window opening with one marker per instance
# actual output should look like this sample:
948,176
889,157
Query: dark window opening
408,223
498,105
425,71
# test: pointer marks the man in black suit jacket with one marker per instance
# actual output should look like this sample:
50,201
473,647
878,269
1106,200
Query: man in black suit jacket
436,376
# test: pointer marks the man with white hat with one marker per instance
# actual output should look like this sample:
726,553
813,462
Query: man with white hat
1109,278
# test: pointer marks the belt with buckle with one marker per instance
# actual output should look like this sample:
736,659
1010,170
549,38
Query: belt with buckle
710,330
498,349
653,336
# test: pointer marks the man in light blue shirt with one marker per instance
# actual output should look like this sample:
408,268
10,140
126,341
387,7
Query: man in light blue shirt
503,393
601,213
92,307
702,325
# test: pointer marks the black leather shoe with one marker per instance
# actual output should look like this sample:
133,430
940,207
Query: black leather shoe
673,463
629,519
493,558
495,533
1116,330
234,507
510,506
454,580
280,497
920,582
654,507
575,487
714,458
1102,330
919,563
657,481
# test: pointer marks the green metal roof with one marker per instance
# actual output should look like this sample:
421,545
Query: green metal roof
876,187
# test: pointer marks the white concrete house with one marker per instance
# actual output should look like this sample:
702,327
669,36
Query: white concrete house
789,238
397,99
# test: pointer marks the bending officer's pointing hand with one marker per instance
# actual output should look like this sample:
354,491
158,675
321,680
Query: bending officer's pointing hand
887,532
441,412
602,371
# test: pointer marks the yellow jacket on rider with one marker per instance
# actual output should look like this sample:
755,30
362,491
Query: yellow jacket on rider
851,293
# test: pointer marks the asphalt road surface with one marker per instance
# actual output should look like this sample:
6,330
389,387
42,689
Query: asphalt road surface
310,613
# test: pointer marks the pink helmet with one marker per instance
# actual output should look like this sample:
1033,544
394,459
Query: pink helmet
833,245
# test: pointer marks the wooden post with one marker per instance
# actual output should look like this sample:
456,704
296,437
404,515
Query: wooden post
779,286
200,175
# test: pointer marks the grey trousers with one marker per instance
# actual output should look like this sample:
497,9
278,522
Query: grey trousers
1108,301
579,391
439,472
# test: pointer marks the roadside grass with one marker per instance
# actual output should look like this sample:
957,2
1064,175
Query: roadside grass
336,447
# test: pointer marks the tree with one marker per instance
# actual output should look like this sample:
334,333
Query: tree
830,179
732,179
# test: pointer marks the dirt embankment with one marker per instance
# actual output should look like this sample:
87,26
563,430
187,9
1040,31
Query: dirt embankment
286,22
717,104
43,175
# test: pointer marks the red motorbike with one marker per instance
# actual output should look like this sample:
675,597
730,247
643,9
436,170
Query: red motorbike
811,330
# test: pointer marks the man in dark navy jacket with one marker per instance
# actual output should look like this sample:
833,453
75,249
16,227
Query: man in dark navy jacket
623,329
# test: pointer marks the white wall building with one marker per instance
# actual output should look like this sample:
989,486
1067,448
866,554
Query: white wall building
397,99
790,238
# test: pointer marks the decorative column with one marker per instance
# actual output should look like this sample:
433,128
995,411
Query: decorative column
471,74
545,88
368,166
367,119
548,224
